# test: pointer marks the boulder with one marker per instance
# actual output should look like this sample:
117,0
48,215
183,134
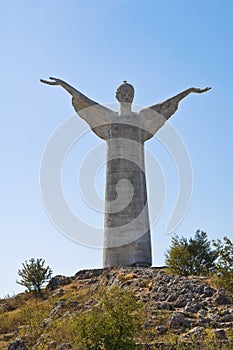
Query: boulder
58,293
87,274
227,318
208,291
193,307
181,302
17,345
178,320
202,313
172,297
161,329
52,345
58,281
196,332
220,298
65,346
220,334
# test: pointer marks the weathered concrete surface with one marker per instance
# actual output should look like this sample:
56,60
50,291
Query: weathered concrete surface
126,227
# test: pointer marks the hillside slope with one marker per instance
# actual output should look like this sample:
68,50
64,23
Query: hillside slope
177,309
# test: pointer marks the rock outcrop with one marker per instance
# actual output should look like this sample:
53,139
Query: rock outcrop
188,305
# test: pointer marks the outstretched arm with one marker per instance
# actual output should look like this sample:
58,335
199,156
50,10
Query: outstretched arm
56,81
92,112
177,98
168,107
154,117
79,100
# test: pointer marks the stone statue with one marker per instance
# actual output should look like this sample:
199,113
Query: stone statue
127,240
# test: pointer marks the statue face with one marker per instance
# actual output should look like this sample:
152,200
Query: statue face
125,93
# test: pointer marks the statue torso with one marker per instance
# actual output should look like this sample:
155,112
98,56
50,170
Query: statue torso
126,127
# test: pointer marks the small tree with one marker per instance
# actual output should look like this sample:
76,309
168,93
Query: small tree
178,256
191,257
224,265
34,275
202,256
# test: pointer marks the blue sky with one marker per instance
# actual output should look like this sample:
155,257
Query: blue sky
162,48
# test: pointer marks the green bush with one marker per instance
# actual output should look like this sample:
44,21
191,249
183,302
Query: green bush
112,323
191,257
224,267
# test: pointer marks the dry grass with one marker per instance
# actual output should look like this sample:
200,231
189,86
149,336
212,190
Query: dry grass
23,315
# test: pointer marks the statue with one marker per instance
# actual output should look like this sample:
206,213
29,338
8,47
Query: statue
127,240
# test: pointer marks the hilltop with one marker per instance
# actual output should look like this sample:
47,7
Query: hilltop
177,309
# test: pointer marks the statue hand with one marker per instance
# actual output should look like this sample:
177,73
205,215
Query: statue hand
200,91
55,82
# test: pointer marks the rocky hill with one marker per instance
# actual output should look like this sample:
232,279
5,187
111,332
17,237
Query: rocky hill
179,310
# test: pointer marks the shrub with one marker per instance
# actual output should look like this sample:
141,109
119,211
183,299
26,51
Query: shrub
224,266
112,323
34,275
191,257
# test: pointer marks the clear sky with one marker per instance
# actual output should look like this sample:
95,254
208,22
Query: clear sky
162,47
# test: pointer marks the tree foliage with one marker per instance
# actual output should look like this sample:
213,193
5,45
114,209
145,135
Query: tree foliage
34,274
224,265
192,256
112,323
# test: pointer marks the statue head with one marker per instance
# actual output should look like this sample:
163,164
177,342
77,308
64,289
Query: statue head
125,92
